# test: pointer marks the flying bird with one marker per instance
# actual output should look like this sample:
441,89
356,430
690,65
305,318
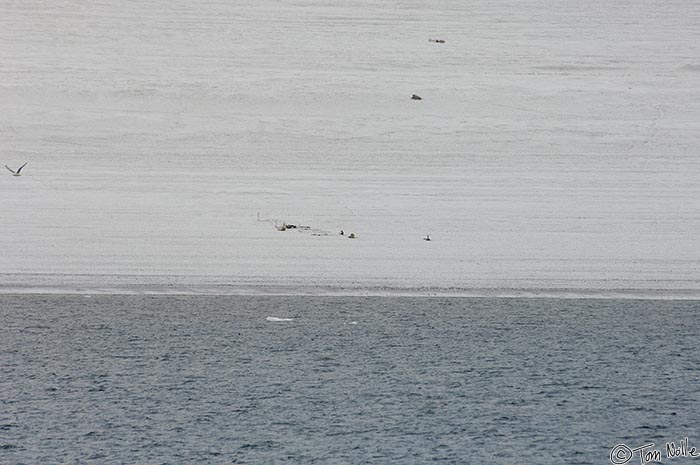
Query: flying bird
16,173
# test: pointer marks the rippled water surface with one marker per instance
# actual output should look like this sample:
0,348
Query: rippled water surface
207,379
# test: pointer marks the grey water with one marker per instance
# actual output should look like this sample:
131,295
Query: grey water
207,379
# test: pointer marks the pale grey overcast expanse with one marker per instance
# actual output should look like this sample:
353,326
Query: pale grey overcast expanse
555,148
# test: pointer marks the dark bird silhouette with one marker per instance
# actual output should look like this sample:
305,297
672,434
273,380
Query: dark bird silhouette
16,173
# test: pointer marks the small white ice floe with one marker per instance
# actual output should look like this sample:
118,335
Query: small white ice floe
274,318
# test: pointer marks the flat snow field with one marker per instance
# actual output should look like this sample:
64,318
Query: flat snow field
556,148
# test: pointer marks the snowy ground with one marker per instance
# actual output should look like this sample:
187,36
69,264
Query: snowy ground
555,148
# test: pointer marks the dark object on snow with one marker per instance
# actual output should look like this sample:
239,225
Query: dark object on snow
291,226
342,233
415,97
437,41
19,170
351,236
427,237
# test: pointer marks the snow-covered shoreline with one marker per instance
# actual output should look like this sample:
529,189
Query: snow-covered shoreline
555,145
218,285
